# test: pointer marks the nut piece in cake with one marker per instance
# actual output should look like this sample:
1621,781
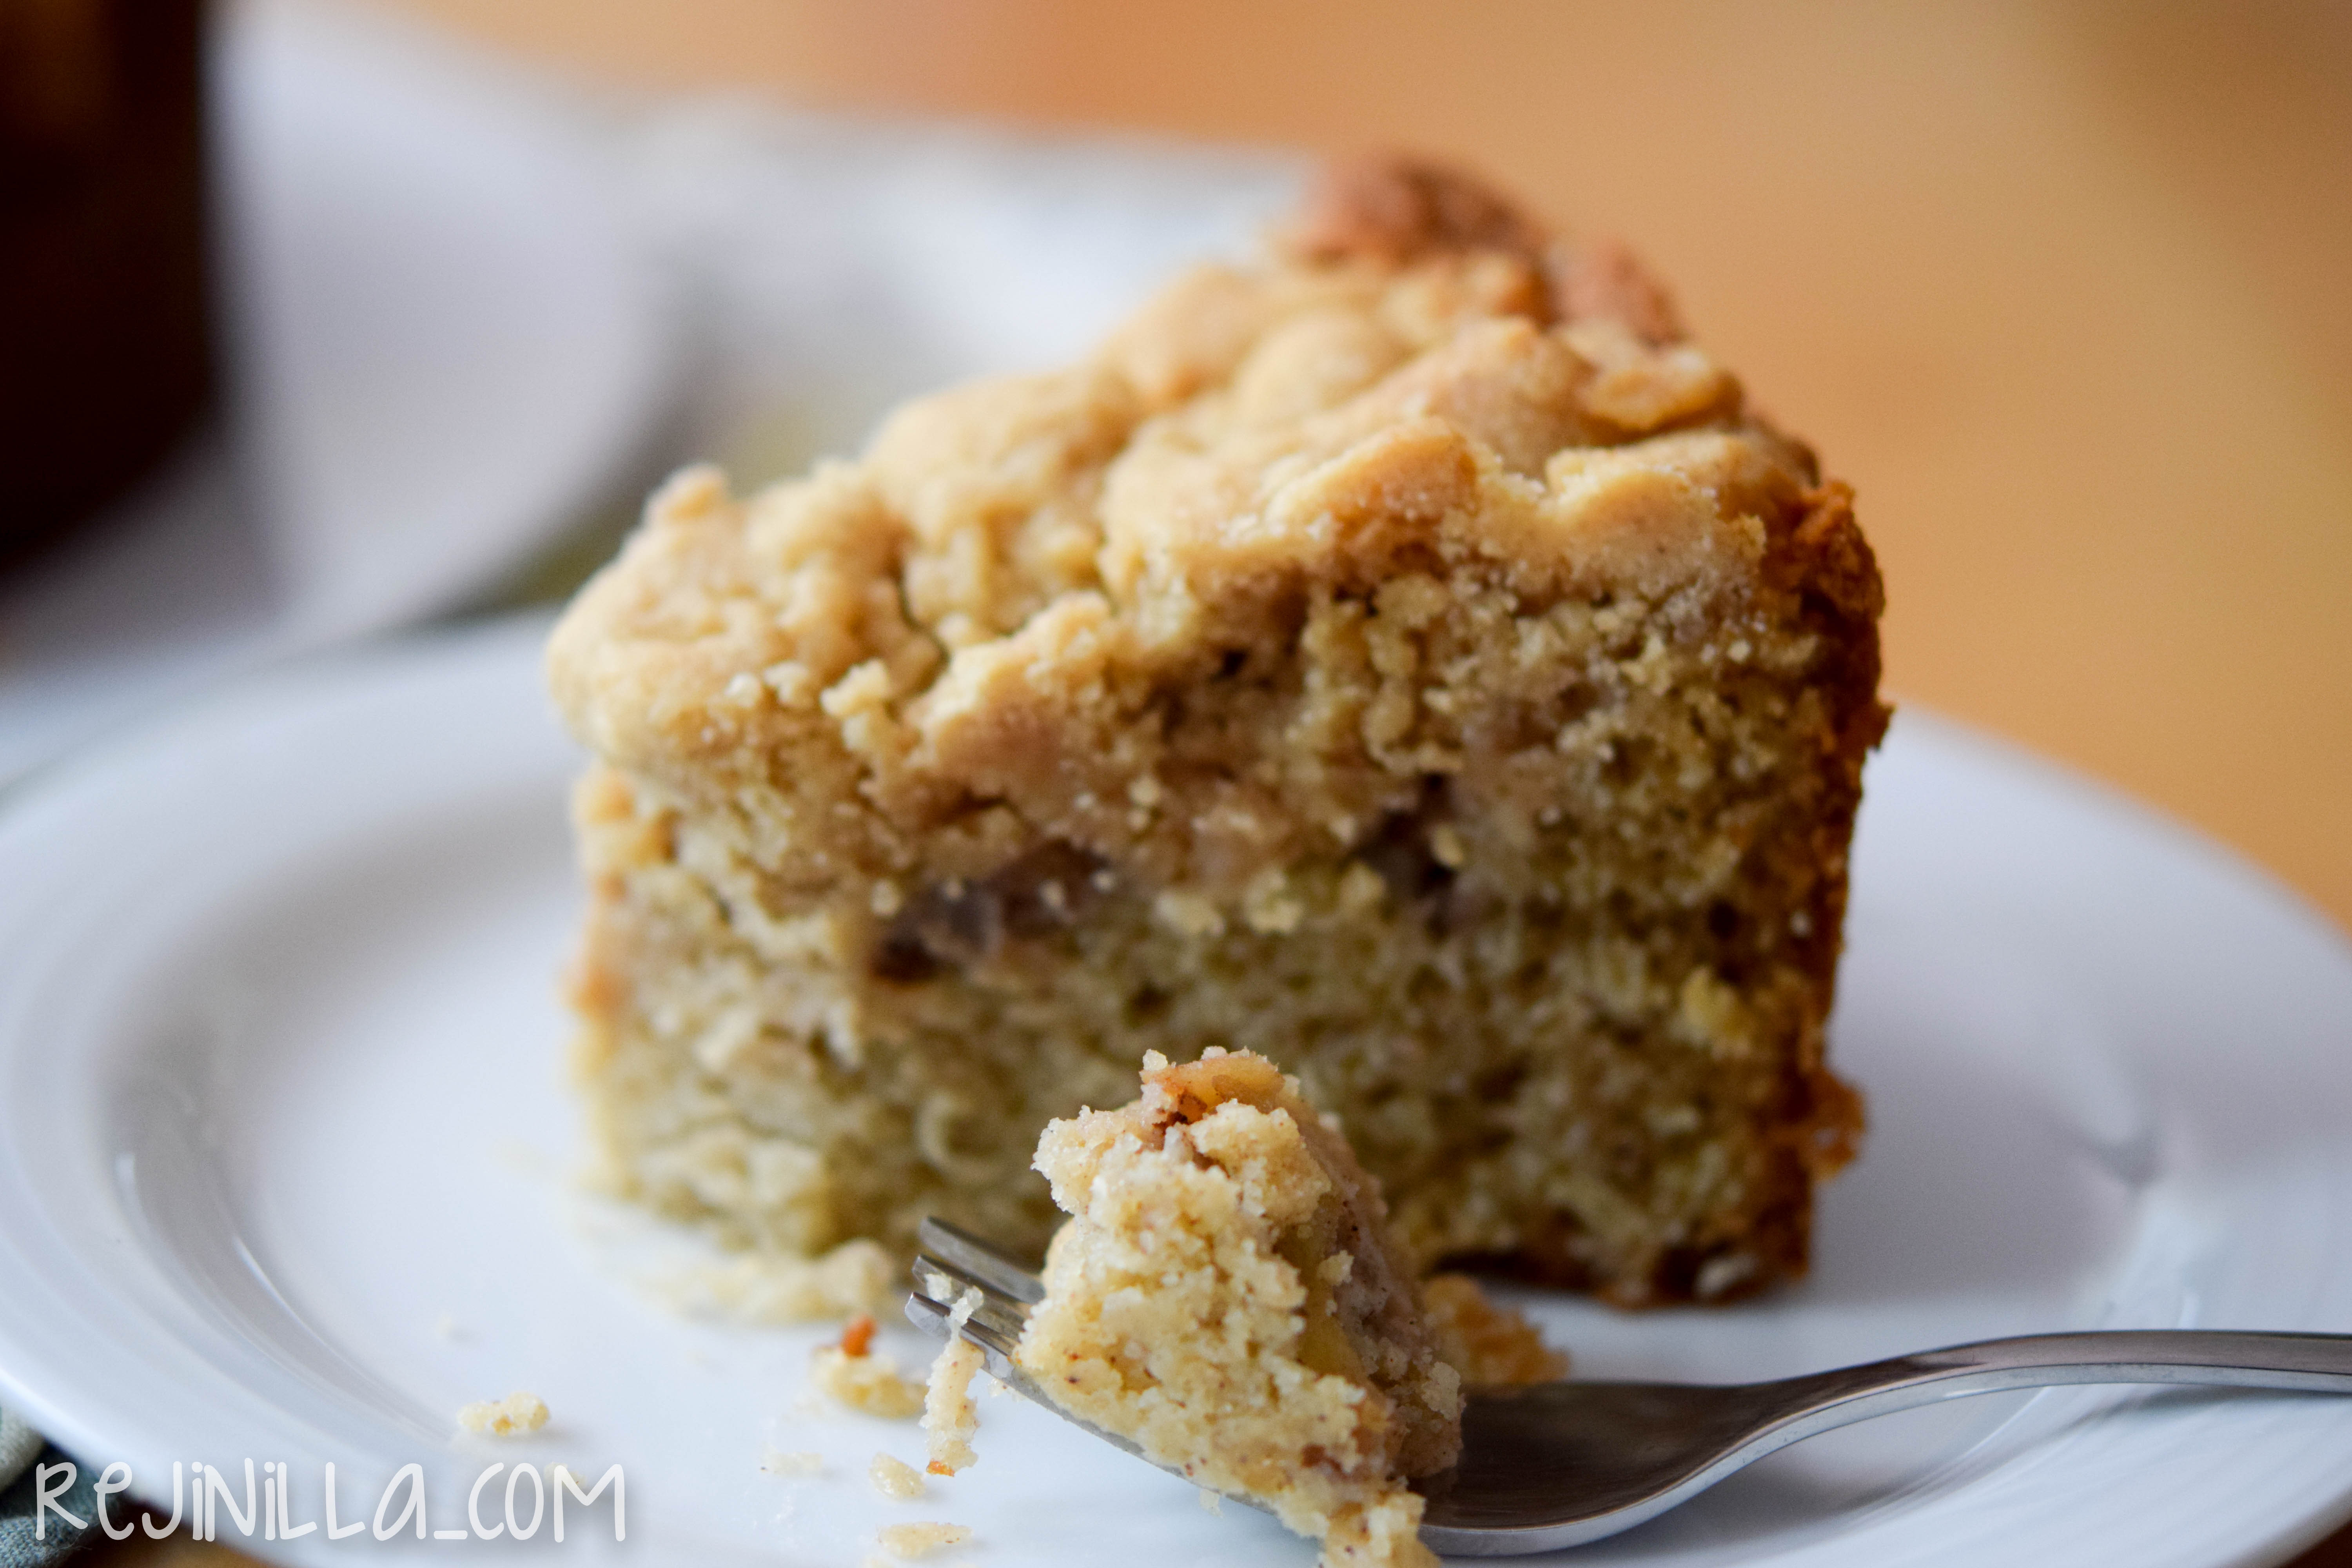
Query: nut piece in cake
1227,1295
1406,655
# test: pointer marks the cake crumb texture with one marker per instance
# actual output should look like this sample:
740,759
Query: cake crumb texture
1406,655
517,1413
1227,1295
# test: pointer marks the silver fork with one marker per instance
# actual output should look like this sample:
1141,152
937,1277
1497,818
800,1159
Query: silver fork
1560,1464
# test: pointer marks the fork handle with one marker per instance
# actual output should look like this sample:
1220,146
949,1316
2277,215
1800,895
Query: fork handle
2317,1364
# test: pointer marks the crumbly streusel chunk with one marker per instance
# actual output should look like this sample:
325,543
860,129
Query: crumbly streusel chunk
1406,656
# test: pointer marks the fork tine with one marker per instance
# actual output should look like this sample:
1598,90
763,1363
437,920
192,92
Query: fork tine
978,1262
959,1261
982,1329
940,1282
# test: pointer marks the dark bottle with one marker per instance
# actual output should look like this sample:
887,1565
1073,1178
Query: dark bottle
106,354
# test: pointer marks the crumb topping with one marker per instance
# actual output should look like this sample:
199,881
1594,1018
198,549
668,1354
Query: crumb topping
982,616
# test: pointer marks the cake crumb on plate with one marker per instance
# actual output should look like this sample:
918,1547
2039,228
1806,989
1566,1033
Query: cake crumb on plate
776,1461
518,1412
852,1373
895,1478
904,1541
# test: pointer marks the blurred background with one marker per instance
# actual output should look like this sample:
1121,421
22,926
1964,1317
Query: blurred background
2064,289
318,321
2059,288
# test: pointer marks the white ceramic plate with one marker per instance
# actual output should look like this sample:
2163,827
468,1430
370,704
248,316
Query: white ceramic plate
281,1109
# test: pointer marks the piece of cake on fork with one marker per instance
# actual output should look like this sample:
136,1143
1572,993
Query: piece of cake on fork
1226,1296
1406,656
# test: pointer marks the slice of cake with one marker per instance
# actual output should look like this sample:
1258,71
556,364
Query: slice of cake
1406,656
1226,1296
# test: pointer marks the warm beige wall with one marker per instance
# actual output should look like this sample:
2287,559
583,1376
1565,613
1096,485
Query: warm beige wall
2066,292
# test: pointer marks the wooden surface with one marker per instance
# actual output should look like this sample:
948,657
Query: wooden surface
2065,291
